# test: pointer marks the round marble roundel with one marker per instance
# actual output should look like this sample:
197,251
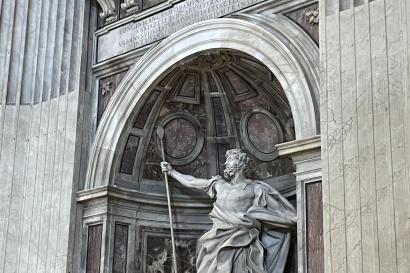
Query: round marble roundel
262,133
181,138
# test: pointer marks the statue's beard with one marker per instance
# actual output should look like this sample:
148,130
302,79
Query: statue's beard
229,173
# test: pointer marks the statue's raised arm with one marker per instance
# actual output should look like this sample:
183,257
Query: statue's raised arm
184,179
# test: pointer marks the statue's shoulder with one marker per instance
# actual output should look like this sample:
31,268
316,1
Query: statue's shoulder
213,185
216,178
263,186
216,181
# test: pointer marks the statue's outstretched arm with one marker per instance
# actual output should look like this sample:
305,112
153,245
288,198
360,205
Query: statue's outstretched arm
184,179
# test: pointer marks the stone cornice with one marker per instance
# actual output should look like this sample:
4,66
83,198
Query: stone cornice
300,149
112,192
306,155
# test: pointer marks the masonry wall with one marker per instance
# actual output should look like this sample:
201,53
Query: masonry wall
41,48
365,117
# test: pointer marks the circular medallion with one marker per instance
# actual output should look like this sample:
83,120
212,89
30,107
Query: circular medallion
183,139
260,133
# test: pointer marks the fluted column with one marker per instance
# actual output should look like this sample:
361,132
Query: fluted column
41,55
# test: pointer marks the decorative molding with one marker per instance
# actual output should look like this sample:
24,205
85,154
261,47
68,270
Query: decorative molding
130,6
109,10
308,19
312,16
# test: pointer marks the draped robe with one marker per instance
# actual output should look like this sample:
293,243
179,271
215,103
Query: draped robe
253,242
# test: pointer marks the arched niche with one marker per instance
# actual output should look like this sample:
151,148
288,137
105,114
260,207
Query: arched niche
274,41
207,103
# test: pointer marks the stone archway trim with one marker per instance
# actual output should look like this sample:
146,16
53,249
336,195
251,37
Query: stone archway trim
268,39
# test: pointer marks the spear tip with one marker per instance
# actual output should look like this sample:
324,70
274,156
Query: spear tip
160,132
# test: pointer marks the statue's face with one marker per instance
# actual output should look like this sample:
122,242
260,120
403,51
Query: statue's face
231,167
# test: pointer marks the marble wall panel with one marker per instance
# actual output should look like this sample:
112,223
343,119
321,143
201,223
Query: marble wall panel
364,102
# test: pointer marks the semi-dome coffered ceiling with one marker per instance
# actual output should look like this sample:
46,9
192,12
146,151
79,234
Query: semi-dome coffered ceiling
207,104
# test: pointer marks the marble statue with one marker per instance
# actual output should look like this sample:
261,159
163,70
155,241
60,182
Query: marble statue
251,221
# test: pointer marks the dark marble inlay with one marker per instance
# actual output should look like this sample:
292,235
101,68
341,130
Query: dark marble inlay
314,227
239,86
188,88
220,124
120,248
181,138
212,84
94,249
128,158
262,133
236,81
146,110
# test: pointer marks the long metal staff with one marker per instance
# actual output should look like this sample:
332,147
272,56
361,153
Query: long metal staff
160,133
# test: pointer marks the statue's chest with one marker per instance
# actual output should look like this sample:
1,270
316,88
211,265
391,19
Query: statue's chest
235,194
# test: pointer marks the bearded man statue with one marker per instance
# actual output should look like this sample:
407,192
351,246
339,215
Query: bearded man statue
252,221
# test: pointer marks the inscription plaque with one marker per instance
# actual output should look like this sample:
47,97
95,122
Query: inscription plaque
134,35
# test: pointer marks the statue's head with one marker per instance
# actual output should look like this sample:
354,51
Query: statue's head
236,160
